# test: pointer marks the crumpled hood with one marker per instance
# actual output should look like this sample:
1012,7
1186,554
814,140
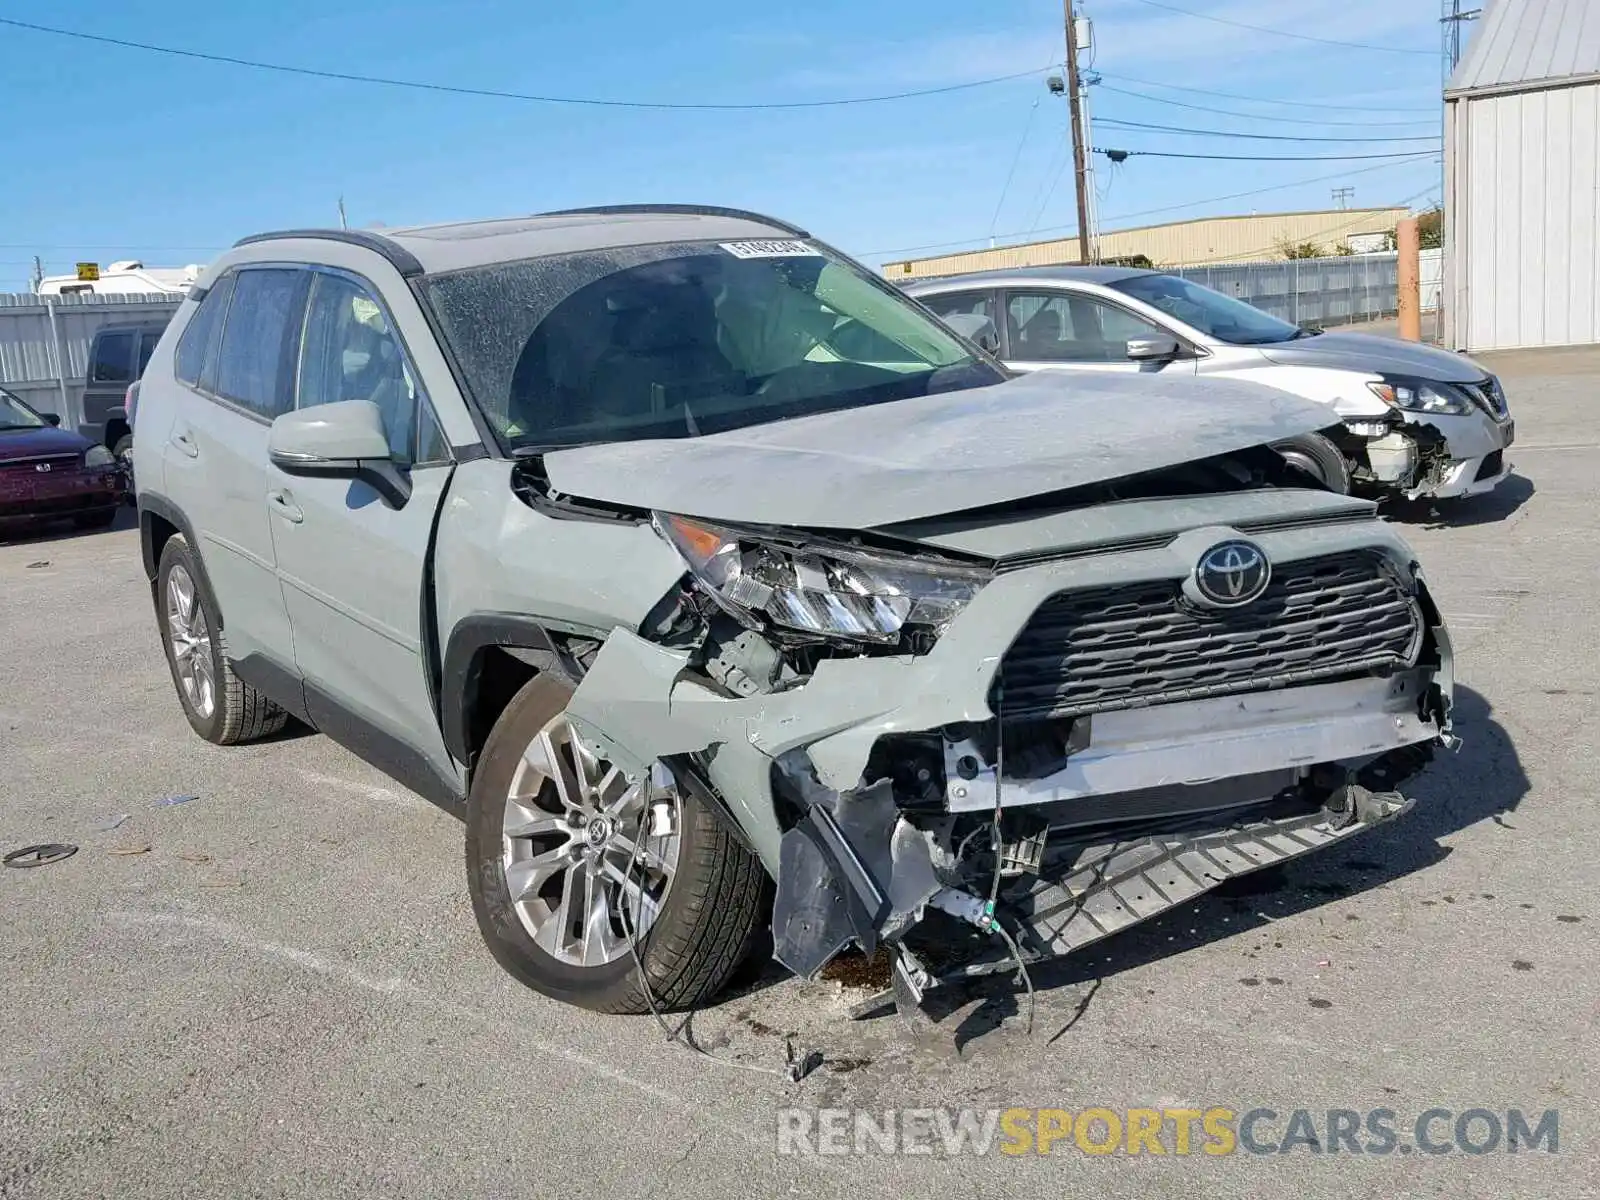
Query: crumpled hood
909,459
1379,355
32,443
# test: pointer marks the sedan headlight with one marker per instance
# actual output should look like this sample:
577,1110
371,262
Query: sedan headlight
97,456
1421,395
829,591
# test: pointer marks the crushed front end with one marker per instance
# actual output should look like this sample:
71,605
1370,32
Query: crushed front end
1049,727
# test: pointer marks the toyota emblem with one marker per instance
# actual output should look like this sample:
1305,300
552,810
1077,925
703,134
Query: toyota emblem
1231,574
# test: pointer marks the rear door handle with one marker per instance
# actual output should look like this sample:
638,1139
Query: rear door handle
184,441
283,504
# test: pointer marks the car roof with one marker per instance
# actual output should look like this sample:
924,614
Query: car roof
1008,275
433,249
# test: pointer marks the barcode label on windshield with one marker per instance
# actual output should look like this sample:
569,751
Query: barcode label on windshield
769,249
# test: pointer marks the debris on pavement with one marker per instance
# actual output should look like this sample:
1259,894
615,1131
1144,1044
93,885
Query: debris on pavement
194,856
34,566
41,855
169,801
111,823
130,848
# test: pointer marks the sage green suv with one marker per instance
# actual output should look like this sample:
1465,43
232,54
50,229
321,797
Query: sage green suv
719,587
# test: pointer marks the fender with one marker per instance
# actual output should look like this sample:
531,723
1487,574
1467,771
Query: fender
153,505
463,660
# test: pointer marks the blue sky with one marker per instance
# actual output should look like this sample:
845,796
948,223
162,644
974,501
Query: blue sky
115,153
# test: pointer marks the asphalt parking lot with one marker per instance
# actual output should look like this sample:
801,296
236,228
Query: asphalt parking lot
276,988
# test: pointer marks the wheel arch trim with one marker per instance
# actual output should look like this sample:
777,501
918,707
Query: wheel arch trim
153,505
469,639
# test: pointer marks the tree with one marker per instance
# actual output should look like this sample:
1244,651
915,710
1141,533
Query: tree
1299,250
1430,228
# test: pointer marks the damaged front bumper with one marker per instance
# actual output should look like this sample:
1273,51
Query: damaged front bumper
1248,777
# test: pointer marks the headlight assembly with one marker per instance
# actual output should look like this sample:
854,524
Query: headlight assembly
846,594
97,456
1421,395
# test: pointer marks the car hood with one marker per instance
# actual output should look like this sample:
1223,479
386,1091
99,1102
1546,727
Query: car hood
946,453
1379,355
35,443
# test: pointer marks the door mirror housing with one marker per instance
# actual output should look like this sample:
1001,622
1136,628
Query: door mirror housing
1153,349
339,441
51,418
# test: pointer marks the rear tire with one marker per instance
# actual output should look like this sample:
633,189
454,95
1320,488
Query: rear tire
220,706
123,453
1318,457
705,924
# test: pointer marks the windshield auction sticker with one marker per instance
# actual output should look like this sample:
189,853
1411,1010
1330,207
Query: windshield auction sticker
769,249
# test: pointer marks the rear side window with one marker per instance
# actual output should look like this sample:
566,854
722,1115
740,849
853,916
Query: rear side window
200,332
113,357
257,341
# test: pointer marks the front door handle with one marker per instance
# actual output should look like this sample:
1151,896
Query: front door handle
283,504
184,440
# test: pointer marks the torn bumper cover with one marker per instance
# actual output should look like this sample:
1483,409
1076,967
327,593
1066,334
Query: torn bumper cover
1235,775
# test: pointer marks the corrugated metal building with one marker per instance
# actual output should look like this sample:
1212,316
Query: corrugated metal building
1253,238
1522,209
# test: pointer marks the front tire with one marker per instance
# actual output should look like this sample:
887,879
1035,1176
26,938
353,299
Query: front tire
220,706
566,859
1318,457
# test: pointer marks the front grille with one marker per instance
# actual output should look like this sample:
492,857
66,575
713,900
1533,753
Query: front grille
1135,645
57,462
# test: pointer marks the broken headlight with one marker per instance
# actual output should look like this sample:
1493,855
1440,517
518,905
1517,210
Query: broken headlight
848,594
1421,395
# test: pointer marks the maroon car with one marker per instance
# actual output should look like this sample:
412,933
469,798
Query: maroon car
48,473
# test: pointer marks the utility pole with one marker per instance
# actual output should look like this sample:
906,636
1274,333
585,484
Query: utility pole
343,224
38,274
1342,196
1079,151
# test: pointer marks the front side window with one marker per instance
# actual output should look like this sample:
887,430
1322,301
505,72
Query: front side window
147,346
1212,313
256,339
1069,327
682,339
348,352
14,414
112,355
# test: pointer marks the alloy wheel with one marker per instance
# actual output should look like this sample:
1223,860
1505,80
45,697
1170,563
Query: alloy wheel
588,855
189,636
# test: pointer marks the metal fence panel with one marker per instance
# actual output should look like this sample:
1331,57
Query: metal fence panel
44,343
1309,291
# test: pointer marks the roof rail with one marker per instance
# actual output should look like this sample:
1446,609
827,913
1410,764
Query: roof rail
404,261
703,210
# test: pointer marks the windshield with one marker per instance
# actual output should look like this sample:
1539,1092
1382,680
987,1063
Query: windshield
676,340
1212,313
14,414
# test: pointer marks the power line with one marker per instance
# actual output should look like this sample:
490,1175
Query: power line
1299,37
1260,137
494,93
1421,156
1233,112
1119,155
1339,107
1027,127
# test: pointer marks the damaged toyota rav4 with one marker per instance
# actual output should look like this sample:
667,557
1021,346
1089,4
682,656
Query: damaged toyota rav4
719,587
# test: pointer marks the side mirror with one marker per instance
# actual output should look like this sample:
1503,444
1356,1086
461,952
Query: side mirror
1152,349
339,441
51,418
977,328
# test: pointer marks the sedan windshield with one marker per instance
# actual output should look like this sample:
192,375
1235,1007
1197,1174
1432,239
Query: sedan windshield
1212,313
667,341
14,414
